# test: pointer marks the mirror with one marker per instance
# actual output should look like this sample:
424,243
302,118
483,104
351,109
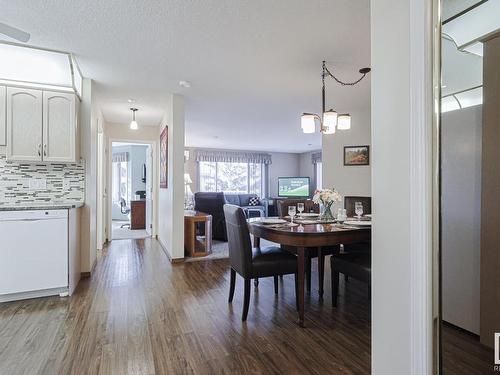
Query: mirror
469,180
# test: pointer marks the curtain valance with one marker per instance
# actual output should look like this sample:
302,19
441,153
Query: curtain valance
316,157
120,156
233,157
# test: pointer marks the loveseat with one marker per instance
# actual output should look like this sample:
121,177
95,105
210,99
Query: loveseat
213,203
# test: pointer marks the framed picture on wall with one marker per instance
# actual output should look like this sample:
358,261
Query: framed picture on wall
164,158
356,155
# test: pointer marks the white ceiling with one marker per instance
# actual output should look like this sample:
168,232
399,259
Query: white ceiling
254,65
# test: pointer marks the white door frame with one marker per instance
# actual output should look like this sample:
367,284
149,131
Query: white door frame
155,182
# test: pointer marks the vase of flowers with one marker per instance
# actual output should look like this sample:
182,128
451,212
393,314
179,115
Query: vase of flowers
326,198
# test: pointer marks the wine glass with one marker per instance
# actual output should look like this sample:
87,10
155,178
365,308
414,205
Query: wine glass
291,211
358,209
300,208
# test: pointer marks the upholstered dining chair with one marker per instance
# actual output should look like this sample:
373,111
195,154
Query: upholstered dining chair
356,265
252,263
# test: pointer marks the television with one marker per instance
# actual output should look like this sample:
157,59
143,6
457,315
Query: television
294,187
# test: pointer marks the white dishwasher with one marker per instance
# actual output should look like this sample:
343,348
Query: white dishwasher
33,254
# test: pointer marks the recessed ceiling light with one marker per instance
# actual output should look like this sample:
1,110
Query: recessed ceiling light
131,100
309,144
185,84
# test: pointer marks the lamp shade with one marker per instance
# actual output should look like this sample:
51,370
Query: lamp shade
307,123
329,121
344,121
133,125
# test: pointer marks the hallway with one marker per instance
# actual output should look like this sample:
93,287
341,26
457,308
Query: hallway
139,314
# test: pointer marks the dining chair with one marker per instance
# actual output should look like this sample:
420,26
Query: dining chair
252,263
355,265
349,202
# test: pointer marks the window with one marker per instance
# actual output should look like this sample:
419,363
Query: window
319,174
120,182
232,177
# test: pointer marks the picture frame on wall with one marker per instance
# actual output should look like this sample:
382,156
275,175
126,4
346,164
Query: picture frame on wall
164,158
356,155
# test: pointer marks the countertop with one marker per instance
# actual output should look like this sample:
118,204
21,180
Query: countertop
62,206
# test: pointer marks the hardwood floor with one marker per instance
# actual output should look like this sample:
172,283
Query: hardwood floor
139,314
463,354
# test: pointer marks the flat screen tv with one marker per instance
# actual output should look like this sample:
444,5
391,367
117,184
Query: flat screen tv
293,187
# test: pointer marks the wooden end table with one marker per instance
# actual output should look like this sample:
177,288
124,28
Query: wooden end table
194,245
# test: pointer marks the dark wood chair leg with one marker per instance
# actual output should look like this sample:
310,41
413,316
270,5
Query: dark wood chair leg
232,285
275,284
297,291
321,273
246,300
308,274
335,287
256,282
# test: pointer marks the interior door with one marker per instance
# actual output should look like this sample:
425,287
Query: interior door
24,124
149,191
59,117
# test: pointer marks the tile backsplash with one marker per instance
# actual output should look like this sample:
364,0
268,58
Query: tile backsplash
21,184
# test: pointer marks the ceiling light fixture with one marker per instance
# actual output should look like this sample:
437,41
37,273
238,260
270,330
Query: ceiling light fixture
330,120
133,123
185,84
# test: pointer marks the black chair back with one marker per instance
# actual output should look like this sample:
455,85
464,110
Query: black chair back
350,201
240,246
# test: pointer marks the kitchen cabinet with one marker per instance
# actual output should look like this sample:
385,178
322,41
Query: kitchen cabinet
24,124
59,127
3,115
41,125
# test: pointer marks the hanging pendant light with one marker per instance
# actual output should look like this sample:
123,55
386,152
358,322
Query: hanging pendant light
344,121
330,120
133,123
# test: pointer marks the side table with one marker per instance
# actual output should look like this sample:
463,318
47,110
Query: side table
196,246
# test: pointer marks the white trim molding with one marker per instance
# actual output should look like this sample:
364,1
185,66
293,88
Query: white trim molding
421,184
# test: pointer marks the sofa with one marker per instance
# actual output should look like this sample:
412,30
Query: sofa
213,204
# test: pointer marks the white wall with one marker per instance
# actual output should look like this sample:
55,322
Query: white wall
90,116
348,180
461,143
171,200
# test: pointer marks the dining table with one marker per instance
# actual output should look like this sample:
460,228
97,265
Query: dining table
307,237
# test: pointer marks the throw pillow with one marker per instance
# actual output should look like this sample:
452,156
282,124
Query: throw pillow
254,201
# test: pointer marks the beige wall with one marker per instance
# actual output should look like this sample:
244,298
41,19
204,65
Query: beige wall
353,180
490,197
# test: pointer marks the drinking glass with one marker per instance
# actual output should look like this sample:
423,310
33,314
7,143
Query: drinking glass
358,209
291,212
300,208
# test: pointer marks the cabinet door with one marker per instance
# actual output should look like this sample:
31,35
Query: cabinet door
24,124
59,123
3,115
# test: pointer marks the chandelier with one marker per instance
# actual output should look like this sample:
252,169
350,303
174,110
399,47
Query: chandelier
330,120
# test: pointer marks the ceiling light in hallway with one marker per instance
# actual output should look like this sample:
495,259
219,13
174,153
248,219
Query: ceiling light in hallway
133,123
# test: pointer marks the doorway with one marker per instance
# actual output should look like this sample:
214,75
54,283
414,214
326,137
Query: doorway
131,190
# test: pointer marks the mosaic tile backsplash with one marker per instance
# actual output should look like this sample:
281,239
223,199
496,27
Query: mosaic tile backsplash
65,183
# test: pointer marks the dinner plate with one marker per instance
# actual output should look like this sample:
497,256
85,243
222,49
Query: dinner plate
366,223
307,221
308,214
272,220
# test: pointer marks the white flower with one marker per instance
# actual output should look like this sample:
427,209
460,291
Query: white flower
325,196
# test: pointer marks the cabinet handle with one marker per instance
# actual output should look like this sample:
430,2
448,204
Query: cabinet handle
39,149
44,150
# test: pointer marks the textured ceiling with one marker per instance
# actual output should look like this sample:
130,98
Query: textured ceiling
254,65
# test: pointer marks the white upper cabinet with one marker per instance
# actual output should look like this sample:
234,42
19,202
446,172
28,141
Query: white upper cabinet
41,125
24,124
59,127
3,116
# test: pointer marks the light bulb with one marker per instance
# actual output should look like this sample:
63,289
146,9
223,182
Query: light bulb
133,125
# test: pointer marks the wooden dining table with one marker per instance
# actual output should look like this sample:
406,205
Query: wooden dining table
306,238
